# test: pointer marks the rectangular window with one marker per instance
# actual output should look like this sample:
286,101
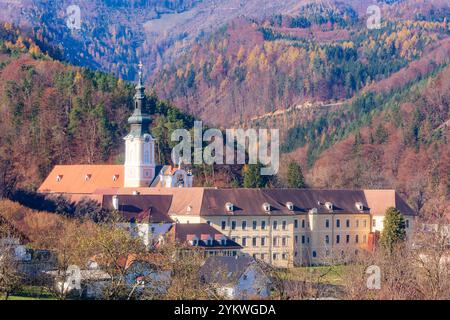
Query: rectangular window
255,224
357,238
275,225
244,241
244,224
295,223
296,239
338,223
327,223
233,225
263,225
407,223
303,223
303,239
274,256
284,241
374,223
338,238
347,223
254,241
284,256
327,239
347,238
283,225
365,223
357,223
224,224
275,241
263,241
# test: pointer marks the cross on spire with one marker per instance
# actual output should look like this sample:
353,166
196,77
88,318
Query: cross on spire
140,65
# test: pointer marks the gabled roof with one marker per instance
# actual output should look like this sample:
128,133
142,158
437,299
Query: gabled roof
245,202
82,179
225,270
250,201
380,200
184,232
212,201
141,208
343,201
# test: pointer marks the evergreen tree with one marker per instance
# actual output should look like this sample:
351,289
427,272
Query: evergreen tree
252,176
393,230
295,177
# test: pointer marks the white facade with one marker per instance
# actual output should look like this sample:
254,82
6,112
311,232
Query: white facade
150,233
139,161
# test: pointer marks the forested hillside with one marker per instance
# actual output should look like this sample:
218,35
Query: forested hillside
251,68
54,113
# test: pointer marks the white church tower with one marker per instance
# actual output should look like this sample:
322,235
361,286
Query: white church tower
139,144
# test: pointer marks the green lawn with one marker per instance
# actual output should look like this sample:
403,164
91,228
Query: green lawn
331,275
31,293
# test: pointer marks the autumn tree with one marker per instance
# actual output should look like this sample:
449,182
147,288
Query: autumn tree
10,277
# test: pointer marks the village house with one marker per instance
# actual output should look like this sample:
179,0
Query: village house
238,277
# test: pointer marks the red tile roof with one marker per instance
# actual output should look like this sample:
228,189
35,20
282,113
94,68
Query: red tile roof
82,179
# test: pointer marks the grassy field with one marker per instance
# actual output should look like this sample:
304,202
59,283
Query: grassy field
31,293
328,275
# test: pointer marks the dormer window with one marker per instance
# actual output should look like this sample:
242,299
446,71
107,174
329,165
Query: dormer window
313,211
59,177
189,209
290,206
229,207
359,206
329,206
87,177
193,240
115,177
266,207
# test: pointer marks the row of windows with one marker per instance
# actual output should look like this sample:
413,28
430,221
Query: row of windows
304,239
254,225
347,223
304,224
327,253
347,239
277,241
338,239
275,256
